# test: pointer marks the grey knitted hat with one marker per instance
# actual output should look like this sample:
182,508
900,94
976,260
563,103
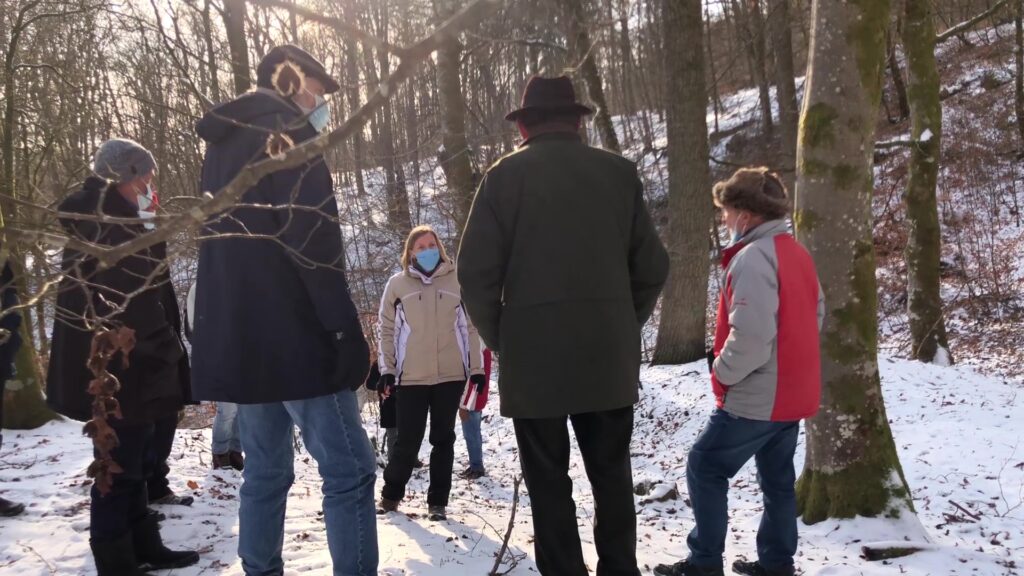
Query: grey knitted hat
120,160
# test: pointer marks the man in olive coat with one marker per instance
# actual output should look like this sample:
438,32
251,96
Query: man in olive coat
560,267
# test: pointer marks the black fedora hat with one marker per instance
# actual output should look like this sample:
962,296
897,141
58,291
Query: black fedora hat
549,95
306,61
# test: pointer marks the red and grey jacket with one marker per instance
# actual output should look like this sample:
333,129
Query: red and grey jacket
767,359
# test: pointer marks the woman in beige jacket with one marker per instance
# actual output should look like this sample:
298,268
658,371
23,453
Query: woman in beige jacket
429,350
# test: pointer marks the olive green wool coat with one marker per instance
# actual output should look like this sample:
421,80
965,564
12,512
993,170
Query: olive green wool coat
560,266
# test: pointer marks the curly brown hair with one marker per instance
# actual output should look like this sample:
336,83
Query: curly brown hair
756,190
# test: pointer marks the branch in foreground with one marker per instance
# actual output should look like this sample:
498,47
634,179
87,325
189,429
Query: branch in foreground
968,24
411,60
508,531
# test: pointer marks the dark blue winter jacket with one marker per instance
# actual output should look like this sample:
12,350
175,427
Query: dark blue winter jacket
271,294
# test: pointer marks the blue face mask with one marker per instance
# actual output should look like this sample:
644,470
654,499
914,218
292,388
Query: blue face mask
429,259
736,235
321,115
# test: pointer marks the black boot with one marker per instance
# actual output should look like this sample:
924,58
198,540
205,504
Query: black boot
116,557
685,568
8,508
151,552
756,569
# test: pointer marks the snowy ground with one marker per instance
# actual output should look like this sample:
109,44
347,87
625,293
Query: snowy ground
959,434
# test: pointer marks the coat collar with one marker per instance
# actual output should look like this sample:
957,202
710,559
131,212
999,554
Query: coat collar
557,136
443,269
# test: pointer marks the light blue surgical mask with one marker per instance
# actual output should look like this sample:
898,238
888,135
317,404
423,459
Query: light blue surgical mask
429,259
320,117
735,235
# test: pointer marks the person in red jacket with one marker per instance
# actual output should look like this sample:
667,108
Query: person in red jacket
766,377
471,427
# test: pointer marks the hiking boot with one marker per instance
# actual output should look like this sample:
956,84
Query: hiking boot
9,509
237,460
172,499
473,473
160,516
151,552
686,568
222,461
387,506
436,513
116,557
756,569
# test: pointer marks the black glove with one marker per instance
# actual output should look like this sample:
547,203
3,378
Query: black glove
387,384
480,380
711,361
352,361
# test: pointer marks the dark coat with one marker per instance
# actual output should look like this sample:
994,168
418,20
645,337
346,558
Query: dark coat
155,383
269,307
560,266
10,322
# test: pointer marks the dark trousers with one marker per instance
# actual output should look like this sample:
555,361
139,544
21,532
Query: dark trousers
725,445
413,404
603,438
155,462
113,515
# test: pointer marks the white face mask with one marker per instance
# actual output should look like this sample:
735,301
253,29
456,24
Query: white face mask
145,203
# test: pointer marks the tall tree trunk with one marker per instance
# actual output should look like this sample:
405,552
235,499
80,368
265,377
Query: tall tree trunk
681,334
924,298
24,405
455,155
785,85
234,24
757,43
581,50
1018,20
211,53
852,467
716,101
352,90
897,74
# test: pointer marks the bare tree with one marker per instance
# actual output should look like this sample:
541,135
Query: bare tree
785,85
234,24
924,299
582,50
681,334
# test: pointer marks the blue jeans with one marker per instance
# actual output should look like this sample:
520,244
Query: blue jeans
725,445
225,429
333,433
474,440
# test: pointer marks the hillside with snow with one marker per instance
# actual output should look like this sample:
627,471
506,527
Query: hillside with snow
959,435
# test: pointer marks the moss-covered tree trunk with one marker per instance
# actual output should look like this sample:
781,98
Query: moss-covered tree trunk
681,334
24,404
924,299
852,467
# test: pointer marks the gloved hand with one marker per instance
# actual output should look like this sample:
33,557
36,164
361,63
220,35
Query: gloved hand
711,361
480,381
386,386
352,360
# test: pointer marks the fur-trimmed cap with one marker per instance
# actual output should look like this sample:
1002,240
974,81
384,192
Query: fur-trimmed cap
756,190
274,66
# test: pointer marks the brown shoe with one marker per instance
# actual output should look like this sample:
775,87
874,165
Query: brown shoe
237,460
222,461
387,506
